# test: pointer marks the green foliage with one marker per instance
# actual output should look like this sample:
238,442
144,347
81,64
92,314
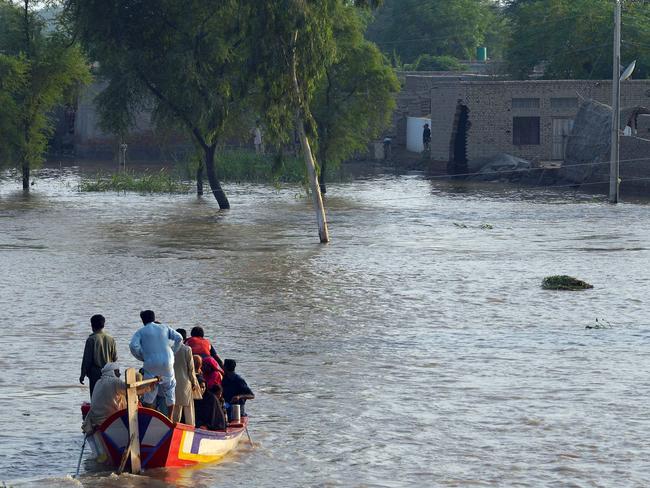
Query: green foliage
455,28
40,70
572,39
427,62
564,282
353,101
130,181
247,166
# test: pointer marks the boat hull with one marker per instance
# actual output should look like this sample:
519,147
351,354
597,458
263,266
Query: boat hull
164,443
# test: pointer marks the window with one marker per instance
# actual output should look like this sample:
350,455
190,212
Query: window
564,103
525,103
525,131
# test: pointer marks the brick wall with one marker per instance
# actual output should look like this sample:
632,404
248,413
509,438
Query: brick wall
491,112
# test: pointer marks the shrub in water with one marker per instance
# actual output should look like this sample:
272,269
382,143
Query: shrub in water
564,282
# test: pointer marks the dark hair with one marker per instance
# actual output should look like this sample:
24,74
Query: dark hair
182,332
216,389
197,332
229,365
97,322
147,316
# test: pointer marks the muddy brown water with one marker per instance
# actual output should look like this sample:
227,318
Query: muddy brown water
410,351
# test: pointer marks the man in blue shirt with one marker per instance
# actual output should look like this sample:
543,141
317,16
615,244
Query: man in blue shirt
151,345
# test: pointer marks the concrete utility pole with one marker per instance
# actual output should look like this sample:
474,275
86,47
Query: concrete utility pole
616,109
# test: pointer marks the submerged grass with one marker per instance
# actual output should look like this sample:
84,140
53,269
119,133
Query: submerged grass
232,166
130,181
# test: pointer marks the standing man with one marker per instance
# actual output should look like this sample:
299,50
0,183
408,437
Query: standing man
426,138
186,382
99,350
257,139
151,345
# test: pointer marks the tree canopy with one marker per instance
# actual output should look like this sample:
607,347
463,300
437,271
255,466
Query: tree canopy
40,69
410,28
354,99
573,38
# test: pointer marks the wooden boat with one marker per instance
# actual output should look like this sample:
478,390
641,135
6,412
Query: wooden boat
164,443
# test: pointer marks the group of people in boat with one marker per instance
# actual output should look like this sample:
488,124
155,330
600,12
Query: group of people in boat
195,386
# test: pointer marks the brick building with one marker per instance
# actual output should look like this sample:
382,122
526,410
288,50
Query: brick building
528,119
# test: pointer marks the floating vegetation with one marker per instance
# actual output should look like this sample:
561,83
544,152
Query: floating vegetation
564,282
130,181
602,324
482,226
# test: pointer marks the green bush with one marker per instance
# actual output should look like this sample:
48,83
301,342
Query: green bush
427,62
564,282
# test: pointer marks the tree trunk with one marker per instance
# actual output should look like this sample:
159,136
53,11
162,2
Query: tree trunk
199,179
321,176
217,191
25,176
309,157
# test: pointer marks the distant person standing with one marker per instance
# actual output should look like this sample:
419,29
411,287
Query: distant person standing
387,147
100,349
151,345
257,139
426,138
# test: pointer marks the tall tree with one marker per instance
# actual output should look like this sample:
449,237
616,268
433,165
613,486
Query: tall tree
410,28
40,70
186,60
573,38
354,99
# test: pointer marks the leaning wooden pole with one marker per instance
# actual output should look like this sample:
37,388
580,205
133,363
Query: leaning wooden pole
132,410
317,198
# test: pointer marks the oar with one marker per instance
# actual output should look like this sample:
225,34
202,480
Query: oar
249,436
83,446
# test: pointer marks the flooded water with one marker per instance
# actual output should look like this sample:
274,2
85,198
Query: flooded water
416,349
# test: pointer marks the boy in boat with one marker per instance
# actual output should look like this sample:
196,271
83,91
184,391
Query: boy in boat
186,383
235,389
100,349
108,397
150,345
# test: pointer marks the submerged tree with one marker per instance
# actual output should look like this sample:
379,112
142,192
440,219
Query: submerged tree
185,60
354,99
39,69
296,43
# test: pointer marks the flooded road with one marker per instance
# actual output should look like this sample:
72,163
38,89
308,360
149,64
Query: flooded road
417,349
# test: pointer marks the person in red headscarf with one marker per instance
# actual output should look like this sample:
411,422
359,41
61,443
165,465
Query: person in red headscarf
201,346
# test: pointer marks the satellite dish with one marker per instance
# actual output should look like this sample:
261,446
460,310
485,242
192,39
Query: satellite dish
628,71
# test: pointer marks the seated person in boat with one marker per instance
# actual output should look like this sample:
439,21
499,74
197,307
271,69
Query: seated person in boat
109,396
202,346
186,383
100,349
235,389
151,345
212,372
209,410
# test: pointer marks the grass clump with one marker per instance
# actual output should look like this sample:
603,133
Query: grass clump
130,181
564,282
